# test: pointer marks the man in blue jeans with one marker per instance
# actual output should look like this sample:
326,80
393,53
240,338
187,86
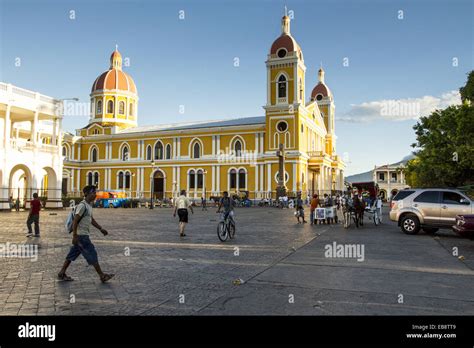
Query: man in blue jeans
81,243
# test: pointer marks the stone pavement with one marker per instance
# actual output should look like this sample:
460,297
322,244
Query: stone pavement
282,265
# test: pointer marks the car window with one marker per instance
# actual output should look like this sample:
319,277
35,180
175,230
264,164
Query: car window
428,197
402,195
452,198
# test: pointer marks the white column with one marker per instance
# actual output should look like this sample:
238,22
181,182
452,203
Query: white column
71,178
55,132
218,138
262,142
213,145
34,128
256,179
213,178
79,152
269,177
78,187
218,188
106,151
178,179
7,128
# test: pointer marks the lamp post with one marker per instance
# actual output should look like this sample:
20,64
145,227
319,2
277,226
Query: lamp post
152,189
204,183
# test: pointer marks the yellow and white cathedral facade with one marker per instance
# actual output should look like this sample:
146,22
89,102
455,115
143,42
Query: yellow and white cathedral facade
207,158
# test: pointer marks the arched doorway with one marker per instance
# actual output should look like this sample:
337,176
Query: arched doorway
158,185
19,185
50,188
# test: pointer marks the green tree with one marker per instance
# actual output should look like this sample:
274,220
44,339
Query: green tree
445,145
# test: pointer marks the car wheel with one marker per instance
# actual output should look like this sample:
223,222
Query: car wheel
430,230
410,224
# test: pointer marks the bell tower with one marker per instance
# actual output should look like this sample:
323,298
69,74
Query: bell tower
285,89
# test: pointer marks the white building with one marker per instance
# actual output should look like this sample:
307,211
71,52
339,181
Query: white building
390,179
30,158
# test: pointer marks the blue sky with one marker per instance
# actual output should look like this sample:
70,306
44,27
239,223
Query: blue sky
190,62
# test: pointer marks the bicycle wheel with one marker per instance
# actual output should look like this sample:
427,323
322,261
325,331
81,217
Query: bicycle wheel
231,229
222,231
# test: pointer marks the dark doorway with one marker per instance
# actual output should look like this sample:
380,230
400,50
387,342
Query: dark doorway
158,185
64,187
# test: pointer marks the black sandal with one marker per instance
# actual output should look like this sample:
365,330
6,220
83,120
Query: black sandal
106,277
64,277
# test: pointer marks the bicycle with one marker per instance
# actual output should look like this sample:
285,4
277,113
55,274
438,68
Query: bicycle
226,227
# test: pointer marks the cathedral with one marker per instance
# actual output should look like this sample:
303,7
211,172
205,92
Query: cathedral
206,158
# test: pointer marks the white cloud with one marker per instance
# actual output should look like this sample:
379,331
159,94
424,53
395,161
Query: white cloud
399,109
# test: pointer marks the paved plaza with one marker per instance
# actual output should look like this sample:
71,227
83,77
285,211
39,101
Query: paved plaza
273,267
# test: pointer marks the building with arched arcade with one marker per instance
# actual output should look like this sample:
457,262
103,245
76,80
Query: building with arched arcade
206,158
30,147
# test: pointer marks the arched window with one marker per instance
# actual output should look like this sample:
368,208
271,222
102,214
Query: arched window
196,150
282,87
287,140
200,177
159,151
65,152
122,108
192,179
96,179
233,179
130,110
90,178
168,151
125,154
110,107
242,180
120,180
148,153
238,148
99,107
94,155
127,180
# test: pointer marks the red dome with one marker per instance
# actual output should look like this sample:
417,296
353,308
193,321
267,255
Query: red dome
285,41
322,89
114,79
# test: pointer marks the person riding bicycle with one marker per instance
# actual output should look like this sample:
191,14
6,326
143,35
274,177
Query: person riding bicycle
227,203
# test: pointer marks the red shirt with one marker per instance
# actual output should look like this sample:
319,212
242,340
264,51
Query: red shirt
35,206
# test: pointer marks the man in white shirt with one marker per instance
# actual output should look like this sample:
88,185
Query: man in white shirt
181,206
81,243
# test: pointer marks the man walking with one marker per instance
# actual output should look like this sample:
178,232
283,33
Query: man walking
203,203
33,216
181,206
81,243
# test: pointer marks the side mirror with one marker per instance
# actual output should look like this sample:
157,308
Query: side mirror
464,201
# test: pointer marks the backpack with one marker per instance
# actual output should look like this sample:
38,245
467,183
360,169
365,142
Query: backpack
70,218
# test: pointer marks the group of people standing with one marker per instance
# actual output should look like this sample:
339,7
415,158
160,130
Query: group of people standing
333,206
